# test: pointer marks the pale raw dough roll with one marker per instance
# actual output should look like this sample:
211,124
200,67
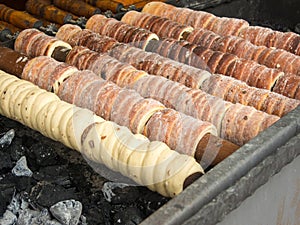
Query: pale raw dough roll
4,81
152,164
146,159
19,100
40,101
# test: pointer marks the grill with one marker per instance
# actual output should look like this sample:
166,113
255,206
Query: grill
258,183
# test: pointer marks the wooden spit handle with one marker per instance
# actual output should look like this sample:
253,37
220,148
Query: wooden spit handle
13,29
19,19
77,7
217,147
104,5
48,12
12,62
138,3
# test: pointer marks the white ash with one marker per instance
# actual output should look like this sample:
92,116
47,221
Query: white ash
67,212
17,204
21,168
7,138
8,218
19,213
108,187
29,217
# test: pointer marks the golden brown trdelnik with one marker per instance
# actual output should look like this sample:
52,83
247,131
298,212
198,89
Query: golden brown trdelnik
197,19
224,26
270,57
120,31
193,102
245,70
163,27
124,74
218,85
33,42
288,41
150,62
235,91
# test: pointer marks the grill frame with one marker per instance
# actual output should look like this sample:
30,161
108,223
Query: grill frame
206,201
206,197
209,199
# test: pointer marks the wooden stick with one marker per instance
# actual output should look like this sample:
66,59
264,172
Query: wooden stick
12,62
77,7
11,27
104,5
19,19
214,148
48,12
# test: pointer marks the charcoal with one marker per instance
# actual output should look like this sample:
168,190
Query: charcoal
67,212
27,216
47,195
151,201
130,216
8,218
44,155
16,150
7,138
297,28
28,140
54,174
24,183
5,162
7,184
3,203
98,215
21,168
